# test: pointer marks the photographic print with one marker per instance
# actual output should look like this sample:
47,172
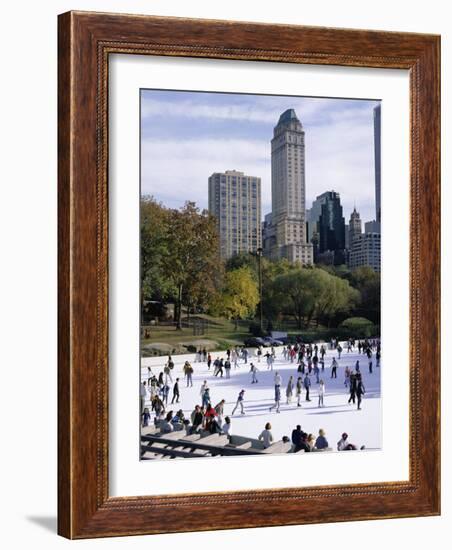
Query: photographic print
219,239
260,274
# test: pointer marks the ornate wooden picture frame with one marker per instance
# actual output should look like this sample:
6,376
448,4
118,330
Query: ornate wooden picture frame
86,40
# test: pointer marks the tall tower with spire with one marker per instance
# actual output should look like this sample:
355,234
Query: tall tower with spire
354,227
288,218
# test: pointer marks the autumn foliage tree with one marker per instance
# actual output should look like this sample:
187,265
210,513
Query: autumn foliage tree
179,254
180,263
193,263
239,295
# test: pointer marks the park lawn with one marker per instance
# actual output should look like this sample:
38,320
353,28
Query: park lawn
223,333
220,330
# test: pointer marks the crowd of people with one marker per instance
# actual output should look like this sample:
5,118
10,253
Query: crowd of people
209,419
309,360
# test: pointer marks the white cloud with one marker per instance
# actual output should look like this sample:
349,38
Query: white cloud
179,170
339,155
265,109
340,158
191,109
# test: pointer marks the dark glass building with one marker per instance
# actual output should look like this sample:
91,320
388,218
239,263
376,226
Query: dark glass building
328,226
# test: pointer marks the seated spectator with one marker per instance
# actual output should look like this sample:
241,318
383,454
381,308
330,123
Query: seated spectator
209,417
187,427
310,440
197,418
215,427
344,445
178,418
266,435
304,444
297,437
226,428
321,441
166,426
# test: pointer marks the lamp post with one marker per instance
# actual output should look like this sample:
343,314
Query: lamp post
258,254
259,260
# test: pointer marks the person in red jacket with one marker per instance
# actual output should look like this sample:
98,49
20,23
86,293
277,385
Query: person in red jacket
209,417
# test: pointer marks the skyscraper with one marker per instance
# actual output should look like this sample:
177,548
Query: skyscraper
235,201
327,227
372,227
288,218
268,235
377,156
354,227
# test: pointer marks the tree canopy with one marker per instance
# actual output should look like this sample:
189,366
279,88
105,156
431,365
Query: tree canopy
367,282
180,254
239,295
180,263
311,293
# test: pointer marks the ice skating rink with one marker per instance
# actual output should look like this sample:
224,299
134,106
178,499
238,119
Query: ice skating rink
337,416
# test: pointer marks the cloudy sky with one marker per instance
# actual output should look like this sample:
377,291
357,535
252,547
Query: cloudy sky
186,136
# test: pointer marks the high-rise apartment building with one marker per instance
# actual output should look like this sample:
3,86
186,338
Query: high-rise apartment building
366,251
288,217
372,227
235,201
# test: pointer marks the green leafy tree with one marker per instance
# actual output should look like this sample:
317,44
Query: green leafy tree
154,221
359,326
239,295
179,255
312,293
243,259
270,296
270,270
367,281
336,297
193,263
294,293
